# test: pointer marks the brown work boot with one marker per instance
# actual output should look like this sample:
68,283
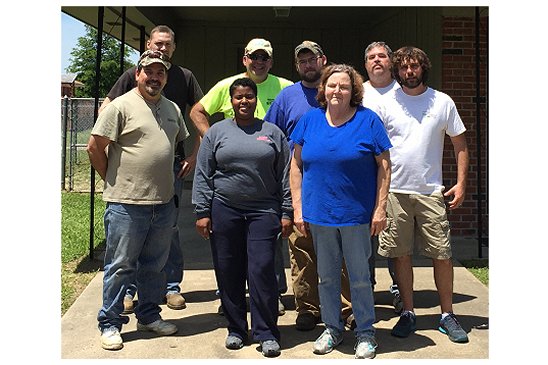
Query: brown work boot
306,321
128,305
175,301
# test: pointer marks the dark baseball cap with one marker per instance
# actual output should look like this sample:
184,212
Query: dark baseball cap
149,57
311,46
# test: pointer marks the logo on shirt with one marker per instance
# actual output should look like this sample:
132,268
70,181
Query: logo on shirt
263,138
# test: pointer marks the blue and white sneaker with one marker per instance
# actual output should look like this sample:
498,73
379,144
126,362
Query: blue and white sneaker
452,328
327,342
366,348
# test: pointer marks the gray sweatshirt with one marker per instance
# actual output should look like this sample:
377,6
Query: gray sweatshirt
244,167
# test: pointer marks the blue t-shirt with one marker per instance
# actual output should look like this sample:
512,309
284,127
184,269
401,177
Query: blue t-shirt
289,106
339,183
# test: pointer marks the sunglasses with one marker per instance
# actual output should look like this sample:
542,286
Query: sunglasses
260,57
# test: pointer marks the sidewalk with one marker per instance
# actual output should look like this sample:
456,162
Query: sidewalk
202,331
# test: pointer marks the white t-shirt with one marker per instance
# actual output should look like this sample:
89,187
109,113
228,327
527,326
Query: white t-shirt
417,126
372,97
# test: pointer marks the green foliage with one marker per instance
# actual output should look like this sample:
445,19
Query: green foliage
83,63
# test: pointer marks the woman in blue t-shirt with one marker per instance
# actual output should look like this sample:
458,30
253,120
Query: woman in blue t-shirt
340,175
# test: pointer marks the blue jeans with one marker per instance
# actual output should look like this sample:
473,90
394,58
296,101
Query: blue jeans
331,245
137,246
175,263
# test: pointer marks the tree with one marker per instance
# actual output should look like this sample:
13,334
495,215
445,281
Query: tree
83,63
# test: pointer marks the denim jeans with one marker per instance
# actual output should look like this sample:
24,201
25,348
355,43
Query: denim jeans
331,245
175,264
137,246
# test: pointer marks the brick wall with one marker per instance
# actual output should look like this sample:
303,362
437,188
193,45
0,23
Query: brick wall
459,82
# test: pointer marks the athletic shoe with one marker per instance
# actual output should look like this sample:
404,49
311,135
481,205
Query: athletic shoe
326,342
159,326
234,342
452,328
111,339
366,348
270,348
407,324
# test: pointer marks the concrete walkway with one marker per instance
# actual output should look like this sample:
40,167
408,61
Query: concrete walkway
202,331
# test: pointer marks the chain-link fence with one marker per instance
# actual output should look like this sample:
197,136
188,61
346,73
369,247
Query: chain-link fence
77,120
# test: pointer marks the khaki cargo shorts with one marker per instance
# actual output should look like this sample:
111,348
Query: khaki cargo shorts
416,221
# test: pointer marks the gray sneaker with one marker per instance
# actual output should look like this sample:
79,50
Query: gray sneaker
366,348
234,342
270,348
111,339
159,326
452,328
326,342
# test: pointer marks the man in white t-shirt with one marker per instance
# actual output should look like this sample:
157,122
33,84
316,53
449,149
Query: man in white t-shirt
417,118
380,85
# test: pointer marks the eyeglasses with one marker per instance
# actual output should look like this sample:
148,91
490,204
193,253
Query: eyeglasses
155,54
260,57
310,60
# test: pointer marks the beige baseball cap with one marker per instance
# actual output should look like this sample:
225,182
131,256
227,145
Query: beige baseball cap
259,44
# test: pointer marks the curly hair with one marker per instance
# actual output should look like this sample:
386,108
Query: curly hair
355,78
410,54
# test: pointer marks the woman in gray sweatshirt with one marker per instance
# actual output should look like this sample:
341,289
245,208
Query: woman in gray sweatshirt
243,202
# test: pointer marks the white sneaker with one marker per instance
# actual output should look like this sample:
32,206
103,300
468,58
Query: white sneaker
326,342
366,348
159,326
111,339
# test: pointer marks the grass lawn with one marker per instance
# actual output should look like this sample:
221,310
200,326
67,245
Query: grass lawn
478,267
76,270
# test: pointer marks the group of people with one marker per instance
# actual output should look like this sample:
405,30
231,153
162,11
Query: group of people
340,168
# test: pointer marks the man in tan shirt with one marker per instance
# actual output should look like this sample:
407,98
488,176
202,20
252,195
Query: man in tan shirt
140,129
